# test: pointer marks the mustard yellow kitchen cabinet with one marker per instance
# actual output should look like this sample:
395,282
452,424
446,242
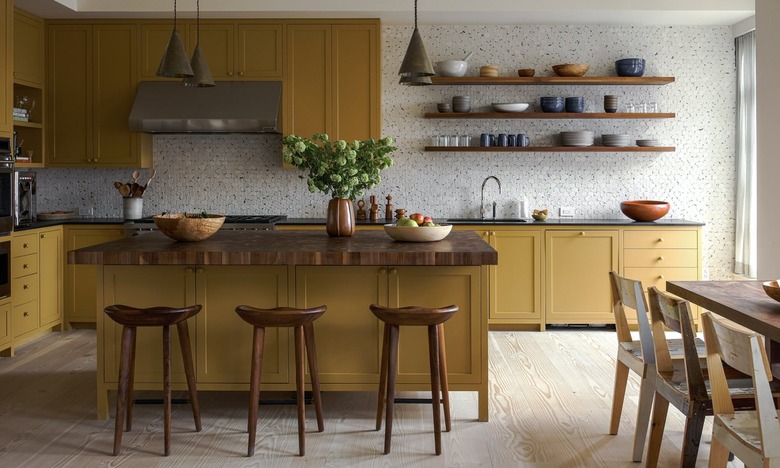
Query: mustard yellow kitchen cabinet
80,280
172,286
24,284
29,43
240,51
51,275
6,67
92,81
333,81
577,266
224,340
5,327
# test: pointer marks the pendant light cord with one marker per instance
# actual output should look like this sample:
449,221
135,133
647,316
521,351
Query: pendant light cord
415,14
197,22
174,14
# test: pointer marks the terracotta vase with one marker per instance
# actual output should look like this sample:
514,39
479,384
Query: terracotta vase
341,218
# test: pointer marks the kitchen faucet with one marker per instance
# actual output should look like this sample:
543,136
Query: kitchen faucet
482,198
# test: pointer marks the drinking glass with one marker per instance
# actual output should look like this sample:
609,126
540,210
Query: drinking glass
630,108
465,140
653,107
444,140
454,140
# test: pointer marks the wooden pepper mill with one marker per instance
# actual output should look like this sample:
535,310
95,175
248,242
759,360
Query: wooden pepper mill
400,213
374,209
388,209
361,212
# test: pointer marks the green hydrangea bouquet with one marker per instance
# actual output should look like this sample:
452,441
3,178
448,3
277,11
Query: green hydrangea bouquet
341,169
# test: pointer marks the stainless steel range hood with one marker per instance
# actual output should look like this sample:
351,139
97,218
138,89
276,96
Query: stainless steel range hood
229,107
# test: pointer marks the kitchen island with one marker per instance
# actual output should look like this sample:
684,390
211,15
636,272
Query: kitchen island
300,269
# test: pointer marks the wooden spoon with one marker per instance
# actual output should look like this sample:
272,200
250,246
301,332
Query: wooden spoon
151,176
136,175
124,189
118,186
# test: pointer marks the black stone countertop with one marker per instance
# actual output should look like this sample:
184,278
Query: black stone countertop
74,220
506,222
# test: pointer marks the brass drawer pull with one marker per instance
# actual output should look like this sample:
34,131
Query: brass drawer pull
660,239
26,314
25,245
660,276
26,286
661,259
582,233
43,236
25,266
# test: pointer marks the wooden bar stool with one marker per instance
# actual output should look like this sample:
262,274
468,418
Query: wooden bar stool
130,318
301,320
414,316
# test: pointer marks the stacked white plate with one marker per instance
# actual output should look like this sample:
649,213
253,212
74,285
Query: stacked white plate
648,143
577,138
615,140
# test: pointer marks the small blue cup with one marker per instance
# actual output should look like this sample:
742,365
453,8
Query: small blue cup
486,139
575,104
511,140
522,140
502,140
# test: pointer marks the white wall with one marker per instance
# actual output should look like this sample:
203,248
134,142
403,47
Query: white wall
768,100
241,174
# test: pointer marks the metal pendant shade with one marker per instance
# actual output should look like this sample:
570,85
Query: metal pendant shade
416,69
174,63
202,74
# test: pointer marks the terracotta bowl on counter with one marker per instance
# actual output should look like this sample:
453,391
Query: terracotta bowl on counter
772,289
644,210
418,234
189,227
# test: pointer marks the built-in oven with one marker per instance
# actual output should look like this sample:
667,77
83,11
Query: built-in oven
6,186
5,269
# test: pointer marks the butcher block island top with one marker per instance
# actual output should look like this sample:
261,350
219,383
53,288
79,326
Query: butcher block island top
365,248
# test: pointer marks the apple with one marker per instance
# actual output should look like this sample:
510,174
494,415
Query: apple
418,218
406,222
427,220
429,224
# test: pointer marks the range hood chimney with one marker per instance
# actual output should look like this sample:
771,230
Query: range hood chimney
229,107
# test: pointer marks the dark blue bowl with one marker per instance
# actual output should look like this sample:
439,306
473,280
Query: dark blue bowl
630,67
551,105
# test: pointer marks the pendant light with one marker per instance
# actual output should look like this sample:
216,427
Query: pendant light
416,68
202,75
174,63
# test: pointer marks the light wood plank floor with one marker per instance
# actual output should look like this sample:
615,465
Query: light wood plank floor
550,396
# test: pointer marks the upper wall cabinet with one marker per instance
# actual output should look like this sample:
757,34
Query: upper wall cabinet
6,67
92,82
154,40
333,80
28,88
29,42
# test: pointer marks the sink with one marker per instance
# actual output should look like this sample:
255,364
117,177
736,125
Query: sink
487,220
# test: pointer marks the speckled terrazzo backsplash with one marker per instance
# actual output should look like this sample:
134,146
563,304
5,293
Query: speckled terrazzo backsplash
242,174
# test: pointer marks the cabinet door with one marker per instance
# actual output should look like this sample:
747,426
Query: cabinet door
348,335
515,283
6,67
224,339
147,286
577,267
114,85
217,41
69,95
356,83
438,287
5,325
307,94
50,275
28,49
154,41
259,51
80,280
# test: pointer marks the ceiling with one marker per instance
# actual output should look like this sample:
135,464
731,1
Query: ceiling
628,12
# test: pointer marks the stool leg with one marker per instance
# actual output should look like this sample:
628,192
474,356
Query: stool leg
392,370
433,355
189,370
314,373
299,376
380,404
131,380
167,387
254,386
445,383
125,366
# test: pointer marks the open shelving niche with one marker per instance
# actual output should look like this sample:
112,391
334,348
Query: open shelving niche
552,80
31,132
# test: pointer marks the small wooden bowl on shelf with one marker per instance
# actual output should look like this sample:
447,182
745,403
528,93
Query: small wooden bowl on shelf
189,227
526,72
571,69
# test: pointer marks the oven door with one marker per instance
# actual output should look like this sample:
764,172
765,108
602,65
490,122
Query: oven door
6,198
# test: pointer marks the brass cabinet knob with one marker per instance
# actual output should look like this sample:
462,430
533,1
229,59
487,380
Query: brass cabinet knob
25,266
240,73
582,233
26,314
393,271
661,259
43,236
26,286
660,239
660,276
485,234
230,73
25,245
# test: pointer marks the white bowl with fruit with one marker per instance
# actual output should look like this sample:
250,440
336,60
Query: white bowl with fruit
417,228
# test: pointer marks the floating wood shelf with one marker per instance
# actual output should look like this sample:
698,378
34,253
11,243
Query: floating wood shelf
548,115
552,149
18,123
554,80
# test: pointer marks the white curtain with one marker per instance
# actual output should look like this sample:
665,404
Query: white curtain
745,247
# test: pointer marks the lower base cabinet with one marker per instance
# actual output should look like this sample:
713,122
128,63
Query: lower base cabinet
5,326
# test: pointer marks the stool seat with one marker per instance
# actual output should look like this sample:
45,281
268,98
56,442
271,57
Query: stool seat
301,321
160,316
434,319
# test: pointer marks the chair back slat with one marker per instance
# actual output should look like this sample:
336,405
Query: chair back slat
629,293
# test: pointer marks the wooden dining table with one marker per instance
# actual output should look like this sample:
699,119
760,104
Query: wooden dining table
743,302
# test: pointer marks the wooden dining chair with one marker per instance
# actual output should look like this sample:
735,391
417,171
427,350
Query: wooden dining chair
636,355
752,436
686,386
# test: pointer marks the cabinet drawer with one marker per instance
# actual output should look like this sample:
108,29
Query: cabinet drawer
24,289
24,245
660,258
660,239
24,318
659,276
24,265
